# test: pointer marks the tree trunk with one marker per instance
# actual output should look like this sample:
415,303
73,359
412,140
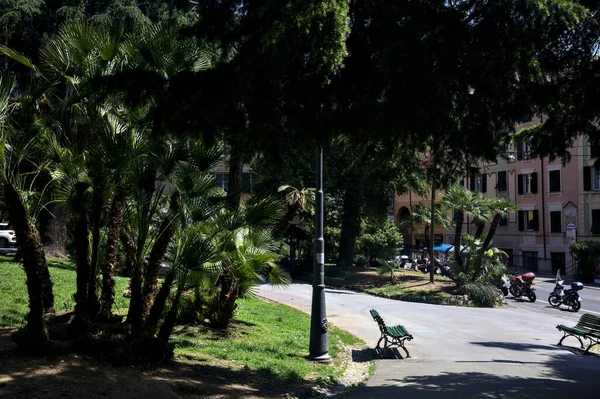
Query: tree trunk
493,227
431,236
97,203
159,249
350,227
82,258
54,234
460,217
130,251
158,307
34,260
134,315
167,327
113,226
236,170
479,231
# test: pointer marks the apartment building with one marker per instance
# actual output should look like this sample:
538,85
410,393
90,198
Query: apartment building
557,204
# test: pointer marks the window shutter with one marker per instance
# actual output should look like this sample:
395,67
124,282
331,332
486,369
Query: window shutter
520,184
535,224
521,220
534,183
587,178
554,181
555,222
472,183
519,150
501,181
484,183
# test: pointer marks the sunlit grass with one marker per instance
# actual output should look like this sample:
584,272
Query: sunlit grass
13,291
270,338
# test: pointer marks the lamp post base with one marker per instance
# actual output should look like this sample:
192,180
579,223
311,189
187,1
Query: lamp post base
325,358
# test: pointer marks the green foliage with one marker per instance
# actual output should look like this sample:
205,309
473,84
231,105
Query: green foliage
379,241
482,294
586,254
388,268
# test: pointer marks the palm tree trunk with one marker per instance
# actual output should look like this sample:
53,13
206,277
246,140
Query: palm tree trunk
350,227
113,225
134,315
82,257
158,306
167,327
97,203
34,260
493,227
54,233
460,217
236,169
480,227
159,249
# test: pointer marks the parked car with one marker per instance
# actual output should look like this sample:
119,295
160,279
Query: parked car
7,236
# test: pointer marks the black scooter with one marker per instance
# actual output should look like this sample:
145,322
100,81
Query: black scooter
560,296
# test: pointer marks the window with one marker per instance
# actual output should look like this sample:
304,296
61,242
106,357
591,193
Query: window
479,183
594,150
591,178
524,151
555,222
530,260
528,220
222,179
527,183
558,262
526,118
501,182
554,181
595,221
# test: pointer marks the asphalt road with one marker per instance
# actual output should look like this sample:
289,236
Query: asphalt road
590,299
460,352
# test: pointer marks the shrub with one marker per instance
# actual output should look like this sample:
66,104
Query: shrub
379,241
481,294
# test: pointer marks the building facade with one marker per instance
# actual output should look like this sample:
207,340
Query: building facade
557,205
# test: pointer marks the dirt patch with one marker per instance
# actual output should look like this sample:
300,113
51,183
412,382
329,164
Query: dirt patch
363,279
77,376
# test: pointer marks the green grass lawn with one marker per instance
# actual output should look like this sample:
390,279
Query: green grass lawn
270,338
13,292
267,337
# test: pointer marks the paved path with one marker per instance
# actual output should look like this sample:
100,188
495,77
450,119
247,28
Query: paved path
460,352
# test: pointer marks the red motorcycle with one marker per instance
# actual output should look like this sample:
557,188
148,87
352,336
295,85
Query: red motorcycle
522,285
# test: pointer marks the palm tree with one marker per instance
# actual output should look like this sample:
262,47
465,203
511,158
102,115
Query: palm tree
421,214
480,212
20,147
500,208
297,201
464,202
460,200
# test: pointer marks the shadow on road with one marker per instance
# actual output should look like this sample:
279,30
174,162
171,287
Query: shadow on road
515,346
561,376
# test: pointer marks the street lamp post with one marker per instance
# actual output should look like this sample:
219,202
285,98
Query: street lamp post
318,348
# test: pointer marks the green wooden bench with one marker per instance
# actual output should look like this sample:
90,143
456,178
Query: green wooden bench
588,327
393,336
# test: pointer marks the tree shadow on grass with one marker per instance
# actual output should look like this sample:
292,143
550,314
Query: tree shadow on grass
81,377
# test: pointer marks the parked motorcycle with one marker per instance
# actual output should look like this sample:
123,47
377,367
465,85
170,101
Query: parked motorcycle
570,298
522,285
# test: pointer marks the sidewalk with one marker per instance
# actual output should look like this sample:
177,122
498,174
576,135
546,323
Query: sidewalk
459,352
